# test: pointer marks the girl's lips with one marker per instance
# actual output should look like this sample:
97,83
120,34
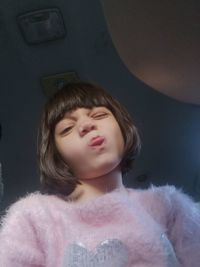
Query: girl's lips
97,141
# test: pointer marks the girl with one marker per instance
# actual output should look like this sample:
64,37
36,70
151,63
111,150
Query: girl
84,216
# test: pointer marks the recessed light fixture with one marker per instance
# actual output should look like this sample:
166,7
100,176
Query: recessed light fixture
42,25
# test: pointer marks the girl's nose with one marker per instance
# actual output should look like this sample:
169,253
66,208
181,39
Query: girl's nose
86,127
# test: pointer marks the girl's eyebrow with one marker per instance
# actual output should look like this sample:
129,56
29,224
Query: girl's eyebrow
69,116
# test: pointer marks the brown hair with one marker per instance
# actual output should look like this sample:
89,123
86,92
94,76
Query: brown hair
56,177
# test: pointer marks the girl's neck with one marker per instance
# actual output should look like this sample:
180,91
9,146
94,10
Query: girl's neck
92,188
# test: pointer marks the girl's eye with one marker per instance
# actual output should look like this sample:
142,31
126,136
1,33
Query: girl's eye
100,115
66,130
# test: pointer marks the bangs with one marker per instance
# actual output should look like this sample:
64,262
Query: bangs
71,98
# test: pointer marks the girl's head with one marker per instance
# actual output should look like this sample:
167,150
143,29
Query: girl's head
56,175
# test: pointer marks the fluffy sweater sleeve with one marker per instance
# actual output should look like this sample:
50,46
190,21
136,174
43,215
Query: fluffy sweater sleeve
184,228
18,240
180,217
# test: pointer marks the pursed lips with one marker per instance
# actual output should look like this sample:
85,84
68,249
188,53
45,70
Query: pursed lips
96,141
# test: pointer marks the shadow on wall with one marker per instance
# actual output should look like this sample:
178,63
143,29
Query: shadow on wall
1,179
1,188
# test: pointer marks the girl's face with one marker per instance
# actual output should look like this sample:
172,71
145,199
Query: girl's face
90,141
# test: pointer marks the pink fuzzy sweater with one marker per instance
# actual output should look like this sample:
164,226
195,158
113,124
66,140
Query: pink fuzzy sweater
158,227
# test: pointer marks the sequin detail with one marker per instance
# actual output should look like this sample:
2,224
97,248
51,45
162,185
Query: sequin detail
109,253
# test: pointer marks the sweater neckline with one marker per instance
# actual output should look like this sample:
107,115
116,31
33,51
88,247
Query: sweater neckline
106,208
114,194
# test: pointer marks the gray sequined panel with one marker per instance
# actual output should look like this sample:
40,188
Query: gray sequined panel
110,253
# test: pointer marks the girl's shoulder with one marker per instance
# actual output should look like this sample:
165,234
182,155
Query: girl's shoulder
31,200
164,203
32,205
167,195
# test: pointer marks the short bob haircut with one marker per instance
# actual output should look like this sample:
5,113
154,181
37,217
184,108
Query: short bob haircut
56,176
